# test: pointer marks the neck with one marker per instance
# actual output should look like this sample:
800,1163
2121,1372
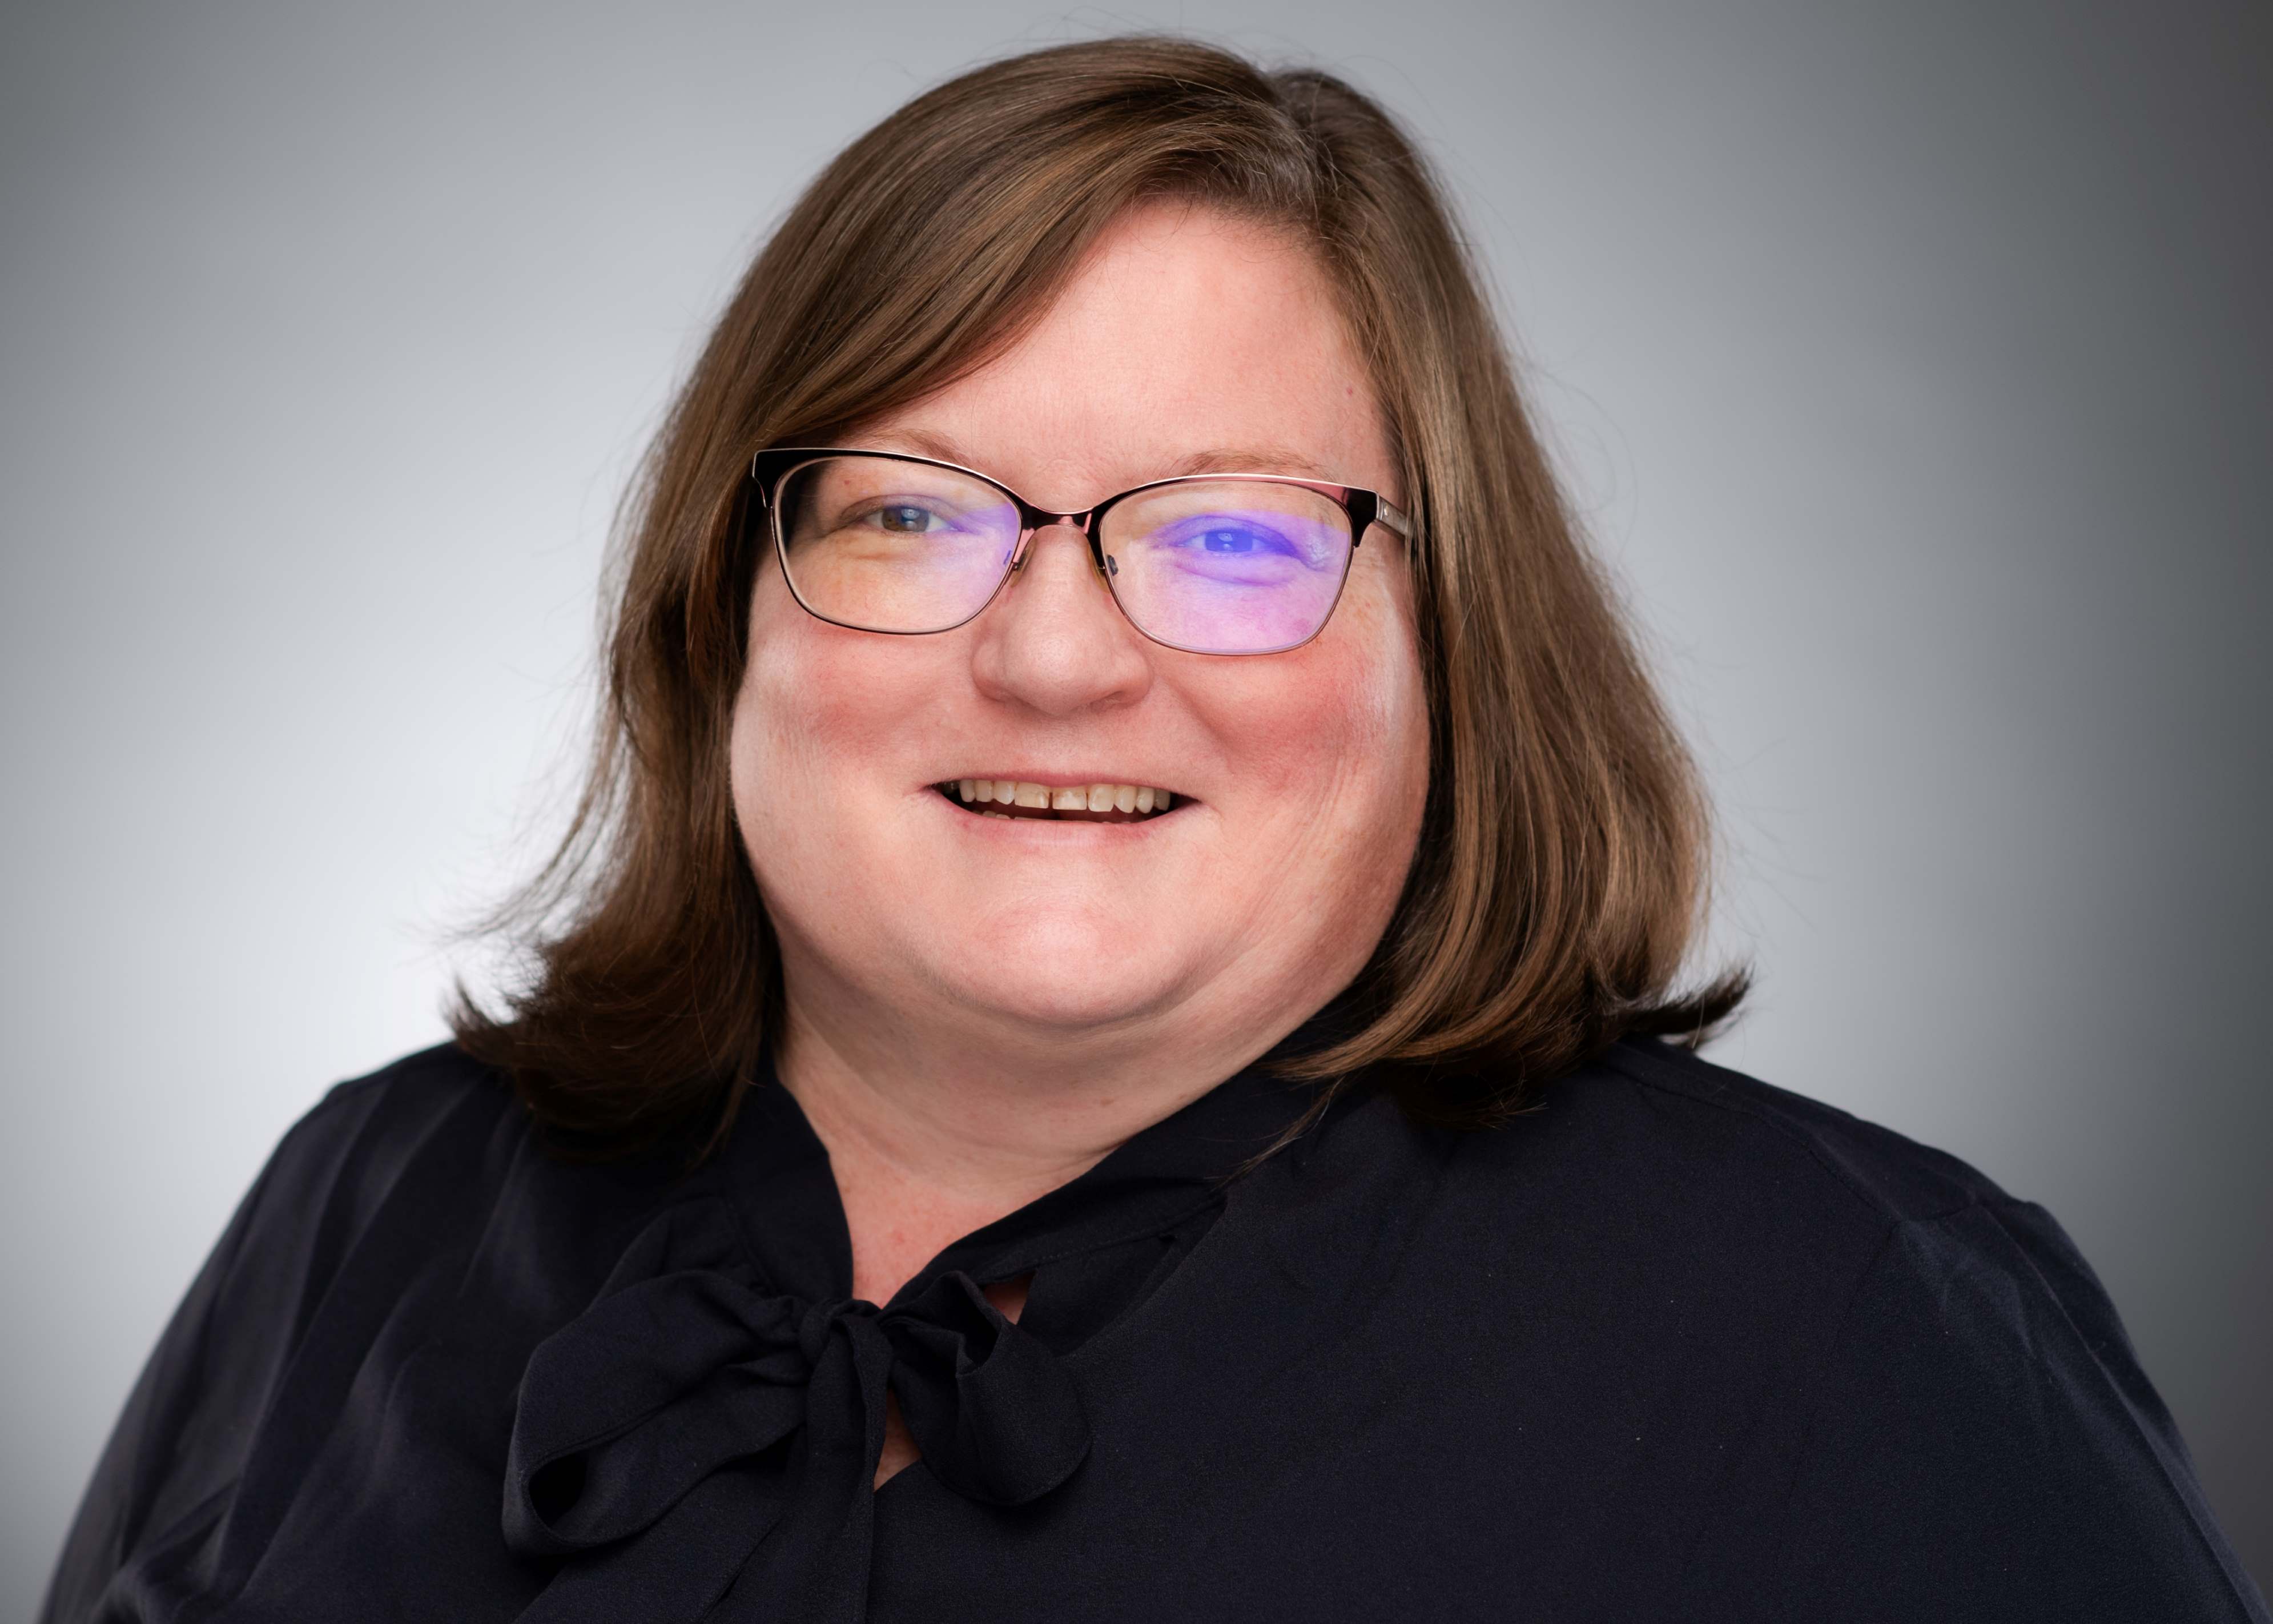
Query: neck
933,1134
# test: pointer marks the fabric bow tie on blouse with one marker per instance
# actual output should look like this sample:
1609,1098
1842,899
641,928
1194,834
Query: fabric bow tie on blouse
695,1434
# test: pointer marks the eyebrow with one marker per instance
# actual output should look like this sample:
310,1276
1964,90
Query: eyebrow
1253,459
1215,459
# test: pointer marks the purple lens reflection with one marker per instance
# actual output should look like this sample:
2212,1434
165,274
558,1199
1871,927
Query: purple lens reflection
1228,565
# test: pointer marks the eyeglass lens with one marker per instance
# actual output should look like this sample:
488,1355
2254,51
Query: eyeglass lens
1215,566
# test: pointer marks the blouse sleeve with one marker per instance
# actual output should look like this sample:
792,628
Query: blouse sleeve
181,1442
1984,1445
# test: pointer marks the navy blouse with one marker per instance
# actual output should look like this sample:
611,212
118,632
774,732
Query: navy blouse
1675,1345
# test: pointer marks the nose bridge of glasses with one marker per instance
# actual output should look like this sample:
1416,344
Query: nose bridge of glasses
1034,520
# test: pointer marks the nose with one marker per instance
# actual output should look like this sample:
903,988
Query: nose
1054,642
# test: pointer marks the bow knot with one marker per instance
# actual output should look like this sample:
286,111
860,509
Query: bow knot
821,1318
702,1397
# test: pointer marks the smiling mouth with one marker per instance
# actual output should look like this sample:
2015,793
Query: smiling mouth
1084,803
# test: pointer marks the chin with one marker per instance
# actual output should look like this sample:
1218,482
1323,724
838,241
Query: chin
1067,1006
1068,985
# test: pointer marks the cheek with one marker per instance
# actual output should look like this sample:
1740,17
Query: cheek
1379,741
817,712
1335,737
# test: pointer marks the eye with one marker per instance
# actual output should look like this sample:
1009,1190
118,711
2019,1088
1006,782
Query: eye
906,518
1227,537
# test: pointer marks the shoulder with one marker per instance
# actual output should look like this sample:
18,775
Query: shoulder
1657,1169
1711,1108
1939,1230
1660,1200
388,1112
387,1173
338,1191
385,1168
437,1118
1912,1359
398,1176
1785,1200
1653,1126
355,1145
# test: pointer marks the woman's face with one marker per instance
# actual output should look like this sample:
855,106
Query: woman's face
1190,341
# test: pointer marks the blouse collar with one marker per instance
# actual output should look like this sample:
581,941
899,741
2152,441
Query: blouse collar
778,1178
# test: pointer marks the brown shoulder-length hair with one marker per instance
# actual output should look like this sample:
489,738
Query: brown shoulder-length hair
1561,872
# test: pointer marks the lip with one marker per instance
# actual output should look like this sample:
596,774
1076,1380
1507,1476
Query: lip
1053,828
1056,831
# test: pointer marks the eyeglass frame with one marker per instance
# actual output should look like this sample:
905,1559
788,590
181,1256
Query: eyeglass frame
1361,507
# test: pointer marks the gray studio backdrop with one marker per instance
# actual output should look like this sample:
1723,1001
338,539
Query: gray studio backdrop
1910,362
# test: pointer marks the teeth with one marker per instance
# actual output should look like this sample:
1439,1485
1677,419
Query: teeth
1122,798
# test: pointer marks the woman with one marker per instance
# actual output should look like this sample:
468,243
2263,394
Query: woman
1095,1051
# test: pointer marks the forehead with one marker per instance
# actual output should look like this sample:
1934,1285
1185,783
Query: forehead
1189,340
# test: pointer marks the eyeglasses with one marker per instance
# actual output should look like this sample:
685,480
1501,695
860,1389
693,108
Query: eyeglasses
1210,563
